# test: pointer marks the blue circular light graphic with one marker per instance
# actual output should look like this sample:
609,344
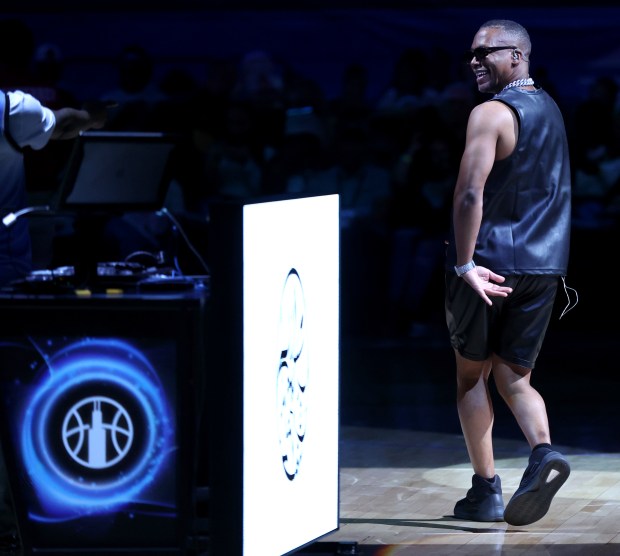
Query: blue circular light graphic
93,483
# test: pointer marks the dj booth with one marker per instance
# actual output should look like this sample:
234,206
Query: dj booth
99,420
122,401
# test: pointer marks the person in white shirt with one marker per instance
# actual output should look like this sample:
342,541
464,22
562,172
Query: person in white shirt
26,123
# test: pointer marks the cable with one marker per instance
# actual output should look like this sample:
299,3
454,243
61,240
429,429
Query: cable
10,218
166,212
569,305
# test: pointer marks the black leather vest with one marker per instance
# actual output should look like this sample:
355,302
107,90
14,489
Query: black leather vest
526,217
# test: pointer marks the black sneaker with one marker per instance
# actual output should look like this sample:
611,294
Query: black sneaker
538,486
483,501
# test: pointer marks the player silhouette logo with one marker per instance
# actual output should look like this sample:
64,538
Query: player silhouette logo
97,432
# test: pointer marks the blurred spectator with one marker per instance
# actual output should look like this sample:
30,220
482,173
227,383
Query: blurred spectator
365,191
300,90
234,161
221,160
592,128
260,84
300,158
48,69
206,123
596,197
594,145
364,186
424,180
454,105
259,79
410,87
174,111
409,90
351,106
137,93
443,69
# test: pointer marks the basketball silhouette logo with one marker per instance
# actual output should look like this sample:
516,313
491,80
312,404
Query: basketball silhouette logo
98,429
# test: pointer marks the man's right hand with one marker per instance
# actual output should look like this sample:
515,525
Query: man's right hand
486,283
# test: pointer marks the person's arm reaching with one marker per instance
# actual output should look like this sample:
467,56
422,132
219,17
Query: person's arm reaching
70,122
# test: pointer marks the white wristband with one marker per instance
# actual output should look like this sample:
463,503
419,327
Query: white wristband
460,270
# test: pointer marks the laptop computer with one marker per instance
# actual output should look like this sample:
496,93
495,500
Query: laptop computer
115,172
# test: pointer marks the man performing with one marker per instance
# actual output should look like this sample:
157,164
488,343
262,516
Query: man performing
510,242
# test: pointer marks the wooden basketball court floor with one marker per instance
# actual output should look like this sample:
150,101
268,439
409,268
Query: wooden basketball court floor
398,489
403,462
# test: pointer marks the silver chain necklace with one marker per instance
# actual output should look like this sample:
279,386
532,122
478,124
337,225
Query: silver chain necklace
518,83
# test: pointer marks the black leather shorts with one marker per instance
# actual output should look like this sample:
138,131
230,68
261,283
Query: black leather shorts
513,328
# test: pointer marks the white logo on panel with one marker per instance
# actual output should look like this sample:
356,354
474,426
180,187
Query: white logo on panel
97,432
293,371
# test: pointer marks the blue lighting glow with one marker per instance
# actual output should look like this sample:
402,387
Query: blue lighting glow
83,371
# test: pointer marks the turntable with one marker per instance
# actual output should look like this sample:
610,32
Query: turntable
121,277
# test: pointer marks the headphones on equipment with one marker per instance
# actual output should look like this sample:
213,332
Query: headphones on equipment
515,56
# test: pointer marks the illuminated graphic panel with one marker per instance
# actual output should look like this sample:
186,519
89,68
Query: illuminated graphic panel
290,370
93,430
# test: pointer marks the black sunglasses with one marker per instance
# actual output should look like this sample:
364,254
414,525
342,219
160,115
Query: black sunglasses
482,52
